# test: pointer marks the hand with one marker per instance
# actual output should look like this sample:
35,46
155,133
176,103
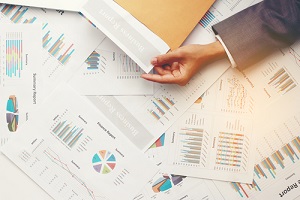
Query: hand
180,65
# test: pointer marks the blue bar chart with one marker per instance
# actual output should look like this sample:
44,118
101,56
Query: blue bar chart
207,19
16,14
56,49
269,168
67,132
93,61
160,106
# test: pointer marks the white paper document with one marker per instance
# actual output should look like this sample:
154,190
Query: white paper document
165,185
72,150
276,76
65,47
109,71
70,5
214,138
143,119
135,39
20,76
277,160
275,82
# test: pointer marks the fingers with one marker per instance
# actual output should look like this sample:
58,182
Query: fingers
162,71
159,78
168,58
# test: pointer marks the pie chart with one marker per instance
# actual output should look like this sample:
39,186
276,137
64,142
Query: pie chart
12,113
104,162
166,182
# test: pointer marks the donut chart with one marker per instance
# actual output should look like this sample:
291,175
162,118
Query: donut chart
104,162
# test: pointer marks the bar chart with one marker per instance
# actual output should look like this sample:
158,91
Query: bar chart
160,106
93,61
127,67
58,49
282,82
16,13
14,55
60,45
67,132
231,151
98,62
111,63
275,159
208,19
192,147
267,170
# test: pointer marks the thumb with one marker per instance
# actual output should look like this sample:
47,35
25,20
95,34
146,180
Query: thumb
167,58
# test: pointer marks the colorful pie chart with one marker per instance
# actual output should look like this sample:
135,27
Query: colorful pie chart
104,162
12,113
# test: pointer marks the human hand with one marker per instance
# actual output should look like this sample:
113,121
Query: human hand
180,65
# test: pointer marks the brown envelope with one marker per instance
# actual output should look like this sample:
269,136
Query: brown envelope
171,20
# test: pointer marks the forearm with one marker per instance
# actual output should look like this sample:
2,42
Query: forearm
259,30
211,52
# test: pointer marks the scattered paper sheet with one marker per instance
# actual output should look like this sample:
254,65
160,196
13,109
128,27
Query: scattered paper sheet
70,5
64,48
277,163
75,150
136,40
214,138
109,71
20,76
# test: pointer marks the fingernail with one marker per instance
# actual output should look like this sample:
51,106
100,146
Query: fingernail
154,61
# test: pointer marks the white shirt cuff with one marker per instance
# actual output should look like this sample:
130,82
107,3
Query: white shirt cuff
233,63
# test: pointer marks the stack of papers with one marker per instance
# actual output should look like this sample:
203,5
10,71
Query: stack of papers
81,123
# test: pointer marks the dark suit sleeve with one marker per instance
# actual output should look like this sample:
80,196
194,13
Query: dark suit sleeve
257,31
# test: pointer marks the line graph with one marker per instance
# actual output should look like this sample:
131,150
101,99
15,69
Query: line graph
294,52
54,157
50,169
